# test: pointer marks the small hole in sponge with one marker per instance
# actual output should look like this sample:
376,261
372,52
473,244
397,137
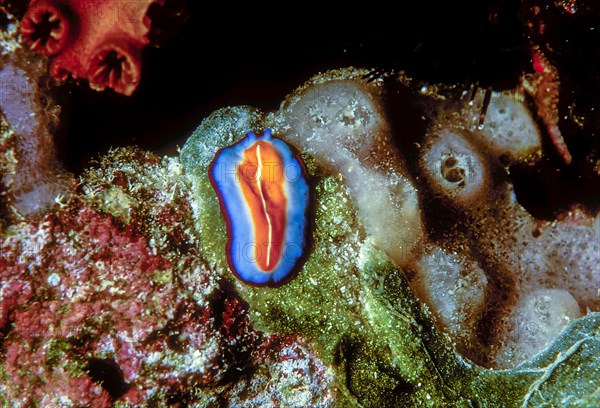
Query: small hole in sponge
452,173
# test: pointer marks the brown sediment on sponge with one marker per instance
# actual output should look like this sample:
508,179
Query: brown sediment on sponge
490,228
451,220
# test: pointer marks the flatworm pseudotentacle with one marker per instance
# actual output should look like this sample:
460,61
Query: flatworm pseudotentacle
263,194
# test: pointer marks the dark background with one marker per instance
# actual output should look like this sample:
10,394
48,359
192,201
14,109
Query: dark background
228,55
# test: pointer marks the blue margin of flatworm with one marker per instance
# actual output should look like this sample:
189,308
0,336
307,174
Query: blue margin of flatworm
240,228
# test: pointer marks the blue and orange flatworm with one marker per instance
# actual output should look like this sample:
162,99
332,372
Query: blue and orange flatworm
263,193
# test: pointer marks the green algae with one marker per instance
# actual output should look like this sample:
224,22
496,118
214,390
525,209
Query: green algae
161,277
116,202
358,311
220,129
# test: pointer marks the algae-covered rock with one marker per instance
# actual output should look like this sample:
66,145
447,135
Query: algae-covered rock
107,301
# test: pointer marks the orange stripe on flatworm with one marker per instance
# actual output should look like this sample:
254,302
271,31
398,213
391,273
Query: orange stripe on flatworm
262,183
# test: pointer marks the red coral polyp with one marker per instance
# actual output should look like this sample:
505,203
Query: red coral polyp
45,29
100,41
114,67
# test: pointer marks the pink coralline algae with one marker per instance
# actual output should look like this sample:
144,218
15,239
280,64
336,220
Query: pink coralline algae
101,41
106,301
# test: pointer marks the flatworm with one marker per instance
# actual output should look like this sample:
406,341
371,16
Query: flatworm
263,194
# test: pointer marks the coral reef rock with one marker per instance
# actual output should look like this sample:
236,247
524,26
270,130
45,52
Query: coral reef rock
106,301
